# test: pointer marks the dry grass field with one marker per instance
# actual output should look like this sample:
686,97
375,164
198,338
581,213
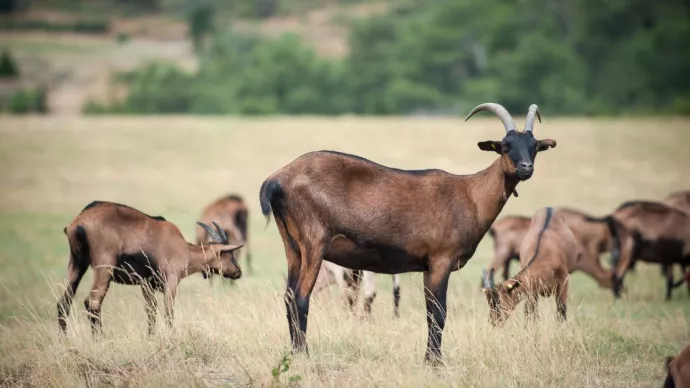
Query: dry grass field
50,168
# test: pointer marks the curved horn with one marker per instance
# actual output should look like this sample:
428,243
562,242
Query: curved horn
221,232
499,110
529,122
211,232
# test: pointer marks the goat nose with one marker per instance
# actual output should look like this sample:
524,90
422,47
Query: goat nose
526,165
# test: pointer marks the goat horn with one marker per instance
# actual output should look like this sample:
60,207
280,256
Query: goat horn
211,232
499,110
529,122
221,232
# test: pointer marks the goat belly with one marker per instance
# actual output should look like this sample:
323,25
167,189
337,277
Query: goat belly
378,258
134,269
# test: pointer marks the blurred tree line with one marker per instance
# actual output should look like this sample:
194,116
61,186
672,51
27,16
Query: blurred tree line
595,57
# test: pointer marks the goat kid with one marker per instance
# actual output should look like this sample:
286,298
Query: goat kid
548,256
593,235
231,214
349,282
127,246
361,215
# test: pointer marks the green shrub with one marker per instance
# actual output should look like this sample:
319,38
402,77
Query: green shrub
8,67
28,101
95,26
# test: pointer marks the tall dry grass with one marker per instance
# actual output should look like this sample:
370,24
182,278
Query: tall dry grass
235,336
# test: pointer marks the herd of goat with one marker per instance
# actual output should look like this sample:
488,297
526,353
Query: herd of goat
343,218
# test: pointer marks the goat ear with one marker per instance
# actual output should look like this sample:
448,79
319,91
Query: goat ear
490,145
511,284
545,144
230,248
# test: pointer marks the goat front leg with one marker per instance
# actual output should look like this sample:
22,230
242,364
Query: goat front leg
93,302
171,283
435,290
151,305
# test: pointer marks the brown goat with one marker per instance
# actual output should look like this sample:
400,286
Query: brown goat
678,370
593,235
548,255
127,246
361,215
679,200
649,231
231,213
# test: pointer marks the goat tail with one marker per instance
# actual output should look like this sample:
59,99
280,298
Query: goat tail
269,196
79,246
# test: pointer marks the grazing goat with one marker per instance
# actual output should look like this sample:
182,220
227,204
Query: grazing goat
548,255
593,235
362,215
678,370
649,231
349,282
231,213
127,246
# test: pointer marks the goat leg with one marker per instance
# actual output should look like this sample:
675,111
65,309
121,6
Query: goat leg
151,305
93,302
311,264
435,290
171,283
74,276
396,296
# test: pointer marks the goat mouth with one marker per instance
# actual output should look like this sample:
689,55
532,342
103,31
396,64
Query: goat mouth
233,276
524,175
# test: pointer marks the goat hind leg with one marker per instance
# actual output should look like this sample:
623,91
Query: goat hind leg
75,273
93,302
561,300
312,257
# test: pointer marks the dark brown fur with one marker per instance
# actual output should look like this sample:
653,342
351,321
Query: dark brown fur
232,214
594,236
127,246
653,232
362,215
678,370
548,255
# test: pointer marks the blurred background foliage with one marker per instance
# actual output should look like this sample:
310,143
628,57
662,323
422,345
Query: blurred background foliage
580,57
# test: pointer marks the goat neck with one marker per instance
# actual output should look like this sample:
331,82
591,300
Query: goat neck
490,189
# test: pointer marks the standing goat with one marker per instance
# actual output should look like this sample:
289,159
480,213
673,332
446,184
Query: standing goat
593,235
548,256
127,246
649,231
349,282
232,215
361,215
